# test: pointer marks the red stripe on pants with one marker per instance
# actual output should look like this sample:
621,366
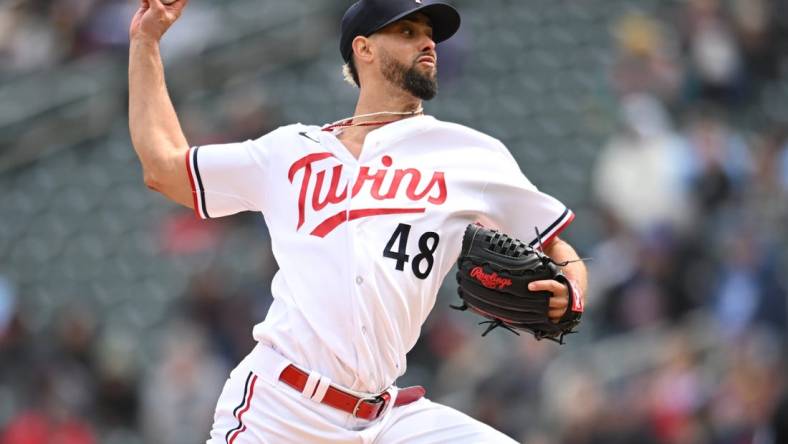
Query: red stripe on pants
248,403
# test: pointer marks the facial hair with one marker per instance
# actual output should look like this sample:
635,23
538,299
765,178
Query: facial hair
410,79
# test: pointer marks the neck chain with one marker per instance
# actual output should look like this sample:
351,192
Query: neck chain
348,121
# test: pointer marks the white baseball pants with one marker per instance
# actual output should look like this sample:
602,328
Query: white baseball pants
255,408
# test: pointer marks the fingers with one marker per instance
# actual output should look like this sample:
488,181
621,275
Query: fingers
558,302
155,17
556,314
552,286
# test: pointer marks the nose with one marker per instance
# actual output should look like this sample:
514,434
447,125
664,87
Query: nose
428,45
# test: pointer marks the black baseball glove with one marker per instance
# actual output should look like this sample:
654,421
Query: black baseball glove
493,277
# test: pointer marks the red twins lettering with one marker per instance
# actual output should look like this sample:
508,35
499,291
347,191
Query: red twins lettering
491,280
325,189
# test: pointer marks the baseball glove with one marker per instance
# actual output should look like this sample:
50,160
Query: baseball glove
493,277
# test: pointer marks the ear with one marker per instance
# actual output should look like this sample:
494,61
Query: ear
362,49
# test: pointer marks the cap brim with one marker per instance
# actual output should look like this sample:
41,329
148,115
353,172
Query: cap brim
445,20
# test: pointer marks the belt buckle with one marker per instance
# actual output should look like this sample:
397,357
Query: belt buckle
372,399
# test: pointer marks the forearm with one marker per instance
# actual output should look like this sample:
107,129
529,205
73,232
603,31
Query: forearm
155,131
575,271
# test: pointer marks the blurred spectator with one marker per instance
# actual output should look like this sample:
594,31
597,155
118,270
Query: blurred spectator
614,260
749,293
717,163
745,397
52,412
117,391
716,65
68,18
753,21
39,34
646,62
76,334
107,27
771,165
226,316
635,177
180,392
509,397
27,41
675,393
655,290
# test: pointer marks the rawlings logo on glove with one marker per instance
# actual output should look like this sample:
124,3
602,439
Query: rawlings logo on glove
493,277
490,280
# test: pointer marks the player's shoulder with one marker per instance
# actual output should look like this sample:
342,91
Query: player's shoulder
482,148
469,135
287,131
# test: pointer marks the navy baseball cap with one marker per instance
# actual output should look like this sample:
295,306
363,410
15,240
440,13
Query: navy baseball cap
366,17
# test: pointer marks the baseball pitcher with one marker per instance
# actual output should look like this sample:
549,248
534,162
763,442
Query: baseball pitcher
367,216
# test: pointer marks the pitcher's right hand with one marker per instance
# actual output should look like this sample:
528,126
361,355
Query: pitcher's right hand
154,18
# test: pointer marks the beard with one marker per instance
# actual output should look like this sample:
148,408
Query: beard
410,79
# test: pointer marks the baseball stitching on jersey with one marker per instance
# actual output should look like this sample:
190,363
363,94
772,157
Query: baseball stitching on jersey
242,408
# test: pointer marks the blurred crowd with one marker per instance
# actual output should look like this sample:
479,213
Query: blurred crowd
85,384
41,34
690,197
689,190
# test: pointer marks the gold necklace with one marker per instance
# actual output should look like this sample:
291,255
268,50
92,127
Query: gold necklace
348,121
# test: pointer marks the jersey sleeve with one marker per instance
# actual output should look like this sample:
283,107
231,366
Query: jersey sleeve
228,178
516,206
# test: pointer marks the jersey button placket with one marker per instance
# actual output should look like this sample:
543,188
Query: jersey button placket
357,260
359,272
357,234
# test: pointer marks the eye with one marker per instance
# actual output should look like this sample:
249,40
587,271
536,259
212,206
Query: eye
407,31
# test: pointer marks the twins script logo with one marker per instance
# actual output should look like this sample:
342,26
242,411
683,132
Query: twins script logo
491,280
407,184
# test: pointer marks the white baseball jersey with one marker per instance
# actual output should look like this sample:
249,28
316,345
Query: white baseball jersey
364,244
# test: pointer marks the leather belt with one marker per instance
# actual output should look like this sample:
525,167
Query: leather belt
364,408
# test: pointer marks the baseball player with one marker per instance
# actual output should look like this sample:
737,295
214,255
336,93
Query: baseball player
366,217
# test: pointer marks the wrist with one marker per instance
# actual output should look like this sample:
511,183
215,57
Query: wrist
141,39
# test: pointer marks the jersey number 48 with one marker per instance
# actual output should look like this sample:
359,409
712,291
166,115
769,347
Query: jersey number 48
428,243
